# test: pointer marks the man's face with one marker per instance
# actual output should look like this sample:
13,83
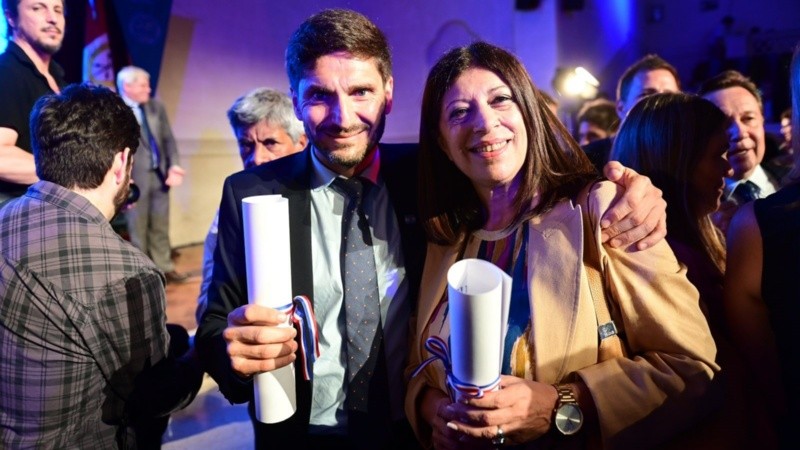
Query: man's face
746,147
786,129
589,132
646,83
40,24
138,90
264,142
343,102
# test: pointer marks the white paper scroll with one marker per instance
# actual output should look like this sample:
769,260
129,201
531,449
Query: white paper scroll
479,294
269,283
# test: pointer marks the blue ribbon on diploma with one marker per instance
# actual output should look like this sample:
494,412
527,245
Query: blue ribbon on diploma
302,316
439,350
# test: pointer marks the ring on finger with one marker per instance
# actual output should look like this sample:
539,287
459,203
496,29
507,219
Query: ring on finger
499,438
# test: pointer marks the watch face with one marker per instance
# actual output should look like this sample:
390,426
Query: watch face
569,419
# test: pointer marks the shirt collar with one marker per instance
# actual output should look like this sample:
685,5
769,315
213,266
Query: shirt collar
759,177
323,176
66,199
54,68
128,101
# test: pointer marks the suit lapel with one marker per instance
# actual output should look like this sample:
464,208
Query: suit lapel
555,250
295,185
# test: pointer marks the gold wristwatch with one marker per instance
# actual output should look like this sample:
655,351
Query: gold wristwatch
567,415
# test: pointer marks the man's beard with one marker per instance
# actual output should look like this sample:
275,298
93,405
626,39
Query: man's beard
353,160
45,47
122,194
50,49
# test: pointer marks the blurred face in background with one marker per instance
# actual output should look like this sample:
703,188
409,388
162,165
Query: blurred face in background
746,146
138,90
264,142
646,83
786,129
589,132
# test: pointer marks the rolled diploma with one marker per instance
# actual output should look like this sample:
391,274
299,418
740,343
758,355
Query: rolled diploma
479,294
269,283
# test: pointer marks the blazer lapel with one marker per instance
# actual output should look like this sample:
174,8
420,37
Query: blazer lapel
555,250
295,185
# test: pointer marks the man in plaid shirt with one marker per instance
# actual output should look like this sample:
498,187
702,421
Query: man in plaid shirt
83,343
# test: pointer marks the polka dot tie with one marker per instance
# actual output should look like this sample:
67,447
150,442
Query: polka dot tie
746,191
361,299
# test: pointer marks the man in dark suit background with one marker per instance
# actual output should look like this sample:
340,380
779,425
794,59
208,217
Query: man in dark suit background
339,70
156,169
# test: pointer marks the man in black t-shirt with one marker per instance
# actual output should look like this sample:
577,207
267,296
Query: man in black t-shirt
27,72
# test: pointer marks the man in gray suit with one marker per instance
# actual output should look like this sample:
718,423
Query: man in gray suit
156,169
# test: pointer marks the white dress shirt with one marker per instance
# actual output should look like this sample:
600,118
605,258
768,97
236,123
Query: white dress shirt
328,415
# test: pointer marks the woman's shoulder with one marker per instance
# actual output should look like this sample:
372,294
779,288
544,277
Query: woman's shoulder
599,196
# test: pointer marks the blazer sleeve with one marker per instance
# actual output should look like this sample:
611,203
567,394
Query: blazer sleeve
227,292
168,146
663,386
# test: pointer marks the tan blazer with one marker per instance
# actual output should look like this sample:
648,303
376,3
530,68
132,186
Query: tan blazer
650,395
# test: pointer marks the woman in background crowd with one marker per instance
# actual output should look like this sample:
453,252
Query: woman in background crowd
680,142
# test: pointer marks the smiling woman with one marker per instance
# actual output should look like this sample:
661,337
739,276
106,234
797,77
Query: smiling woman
502,180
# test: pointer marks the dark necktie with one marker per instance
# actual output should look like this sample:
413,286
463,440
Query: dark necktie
361,298
746,191
155,155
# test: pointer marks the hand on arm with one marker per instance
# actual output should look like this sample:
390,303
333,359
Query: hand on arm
16,165
639,216
255,341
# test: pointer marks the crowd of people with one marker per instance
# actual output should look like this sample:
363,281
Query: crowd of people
692,234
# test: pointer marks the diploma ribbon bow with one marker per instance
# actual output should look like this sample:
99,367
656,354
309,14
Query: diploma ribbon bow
439,349
302,316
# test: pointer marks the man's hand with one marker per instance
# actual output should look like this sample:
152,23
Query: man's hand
174,176
639,216
256,342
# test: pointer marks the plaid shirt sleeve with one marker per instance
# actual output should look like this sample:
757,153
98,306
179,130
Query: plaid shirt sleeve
129,333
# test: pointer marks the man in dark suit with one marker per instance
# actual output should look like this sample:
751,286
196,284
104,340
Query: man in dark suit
156,169
339,71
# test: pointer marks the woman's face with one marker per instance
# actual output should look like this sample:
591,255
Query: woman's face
482,130
708,179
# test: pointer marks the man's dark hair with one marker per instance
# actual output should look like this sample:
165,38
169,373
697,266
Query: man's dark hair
729,79
332,31
601,113
76,134
10,9
646,64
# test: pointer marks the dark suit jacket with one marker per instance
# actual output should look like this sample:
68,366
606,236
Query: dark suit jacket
291,177
599,152
162,133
